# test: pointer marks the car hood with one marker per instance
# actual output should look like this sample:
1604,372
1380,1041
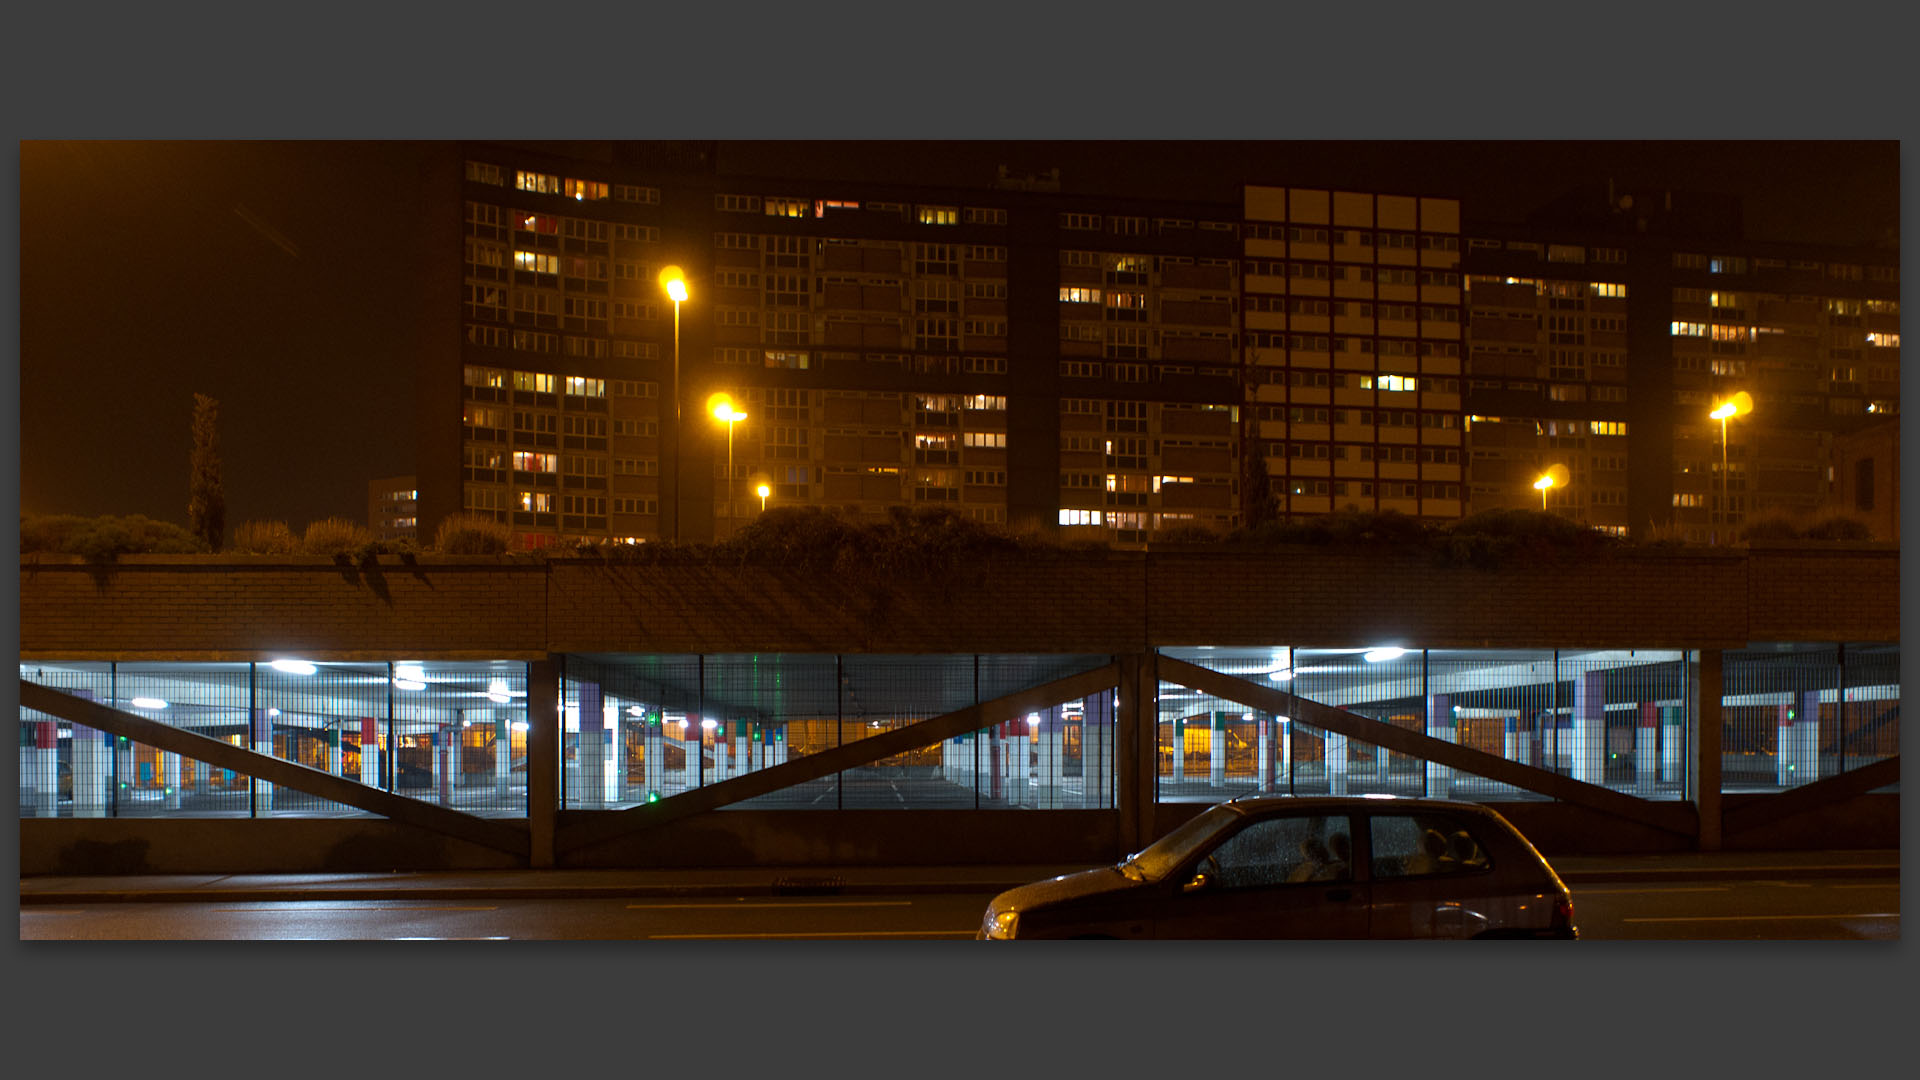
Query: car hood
1107,879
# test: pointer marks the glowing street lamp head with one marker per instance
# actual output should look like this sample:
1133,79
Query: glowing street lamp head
1555,476
1740,404
763,491
674,281
721,406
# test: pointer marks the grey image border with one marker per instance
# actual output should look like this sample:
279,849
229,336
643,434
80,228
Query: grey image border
1680,996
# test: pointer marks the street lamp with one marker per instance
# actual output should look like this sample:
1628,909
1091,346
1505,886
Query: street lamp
1555,476
763,491
721,406
675,283
1740,404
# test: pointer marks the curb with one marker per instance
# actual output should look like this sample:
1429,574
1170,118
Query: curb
824,887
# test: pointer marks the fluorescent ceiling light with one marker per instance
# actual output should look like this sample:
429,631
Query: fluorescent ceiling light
294,667
1388,652
402,683
148,703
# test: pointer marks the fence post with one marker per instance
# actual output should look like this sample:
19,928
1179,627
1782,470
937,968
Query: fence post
1703,777
543,759
1136,723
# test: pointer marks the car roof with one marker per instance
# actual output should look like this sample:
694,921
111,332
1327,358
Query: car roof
1350,803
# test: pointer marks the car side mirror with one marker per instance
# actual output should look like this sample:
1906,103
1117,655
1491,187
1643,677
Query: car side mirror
1199,883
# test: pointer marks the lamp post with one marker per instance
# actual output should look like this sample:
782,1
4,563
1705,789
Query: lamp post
1555,476
721,406
675,283
1740,404
763,491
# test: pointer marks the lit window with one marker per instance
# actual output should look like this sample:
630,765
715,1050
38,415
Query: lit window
939,215
1073,295
585,190
1884,341
1079,517
542,183
775,207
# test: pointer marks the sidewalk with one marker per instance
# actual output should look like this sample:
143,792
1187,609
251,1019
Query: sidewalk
1575,870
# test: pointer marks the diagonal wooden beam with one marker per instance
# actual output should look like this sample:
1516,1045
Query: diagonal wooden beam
1770,808
1466,759
497,835
602,826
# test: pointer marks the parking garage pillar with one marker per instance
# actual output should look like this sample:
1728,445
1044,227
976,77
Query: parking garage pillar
1336,762
1703,774
1262,751
1590,727
1673,742
1646,754
42,764
260,734
1439,726
742,763
651,776
170,783
1179,749
543,758
590,747
369,752
90,768
1217,744
91,765
1795,756
502,757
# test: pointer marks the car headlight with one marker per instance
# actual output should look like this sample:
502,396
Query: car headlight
1000,926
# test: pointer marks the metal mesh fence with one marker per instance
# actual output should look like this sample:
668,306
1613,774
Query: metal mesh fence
648,727
669,724
1616,718
447,732
1794,713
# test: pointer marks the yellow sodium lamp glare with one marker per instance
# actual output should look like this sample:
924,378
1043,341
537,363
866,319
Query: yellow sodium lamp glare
674,280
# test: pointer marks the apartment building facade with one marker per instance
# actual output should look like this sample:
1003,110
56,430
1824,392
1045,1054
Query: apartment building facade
1106,367
1606,350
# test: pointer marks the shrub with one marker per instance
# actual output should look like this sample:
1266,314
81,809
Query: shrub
102,538
1186,534
335,536
262,538
471,534
1770,525
1839,527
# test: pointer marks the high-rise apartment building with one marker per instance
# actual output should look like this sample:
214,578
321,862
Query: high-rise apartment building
1605,342
1108,367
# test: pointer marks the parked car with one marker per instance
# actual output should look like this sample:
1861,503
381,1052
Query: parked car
1281,866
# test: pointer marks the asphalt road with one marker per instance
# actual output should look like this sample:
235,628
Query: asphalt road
1839,908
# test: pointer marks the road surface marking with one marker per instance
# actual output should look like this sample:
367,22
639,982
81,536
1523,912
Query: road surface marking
1758,918
1758,869
775,904
52,911
1869,885
1638,892
283,909
501,937
824,934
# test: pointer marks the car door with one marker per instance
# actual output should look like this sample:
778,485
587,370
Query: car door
1281,875
1429,877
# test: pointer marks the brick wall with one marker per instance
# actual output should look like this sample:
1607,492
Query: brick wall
1837,592
446,607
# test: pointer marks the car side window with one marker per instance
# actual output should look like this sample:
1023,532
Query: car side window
1283,850
1417,845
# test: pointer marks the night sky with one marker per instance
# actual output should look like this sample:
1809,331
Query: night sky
274,276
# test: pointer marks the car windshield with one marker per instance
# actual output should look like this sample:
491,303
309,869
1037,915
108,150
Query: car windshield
1161,857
